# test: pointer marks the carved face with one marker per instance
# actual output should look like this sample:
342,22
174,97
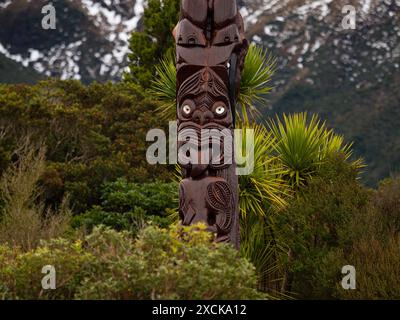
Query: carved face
209,54
210,51
203,102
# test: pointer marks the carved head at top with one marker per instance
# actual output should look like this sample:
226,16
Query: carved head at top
210,50
203,100
210,47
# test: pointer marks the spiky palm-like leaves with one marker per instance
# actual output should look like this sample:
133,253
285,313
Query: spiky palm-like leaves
261,192
263,185
303,144
164,87
260,246
259,67
298,145
286,153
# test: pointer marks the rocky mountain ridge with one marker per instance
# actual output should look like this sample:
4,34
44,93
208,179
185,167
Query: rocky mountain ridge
351,78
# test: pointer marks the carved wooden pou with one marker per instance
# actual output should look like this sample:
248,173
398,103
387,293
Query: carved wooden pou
210,52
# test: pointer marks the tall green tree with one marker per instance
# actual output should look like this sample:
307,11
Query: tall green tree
153,41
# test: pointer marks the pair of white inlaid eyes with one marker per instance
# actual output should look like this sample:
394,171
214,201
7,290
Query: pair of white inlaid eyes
187,109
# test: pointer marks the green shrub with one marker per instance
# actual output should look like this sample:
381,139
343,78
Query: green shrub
317,222
337,222
387,203
181,263
154,198
178,263
377,266
21,272
128,206
128,221
94,134
374,249
24,217
96,216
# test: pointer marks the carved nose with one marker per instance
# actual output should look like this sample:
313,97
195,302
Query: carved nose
202,117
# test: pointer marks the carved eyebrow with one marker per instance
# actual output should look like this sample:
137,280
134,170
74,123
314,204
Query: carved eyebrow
211,100
195,86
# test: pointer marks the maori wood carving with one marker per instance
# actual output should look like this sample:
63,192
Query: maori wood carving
210,52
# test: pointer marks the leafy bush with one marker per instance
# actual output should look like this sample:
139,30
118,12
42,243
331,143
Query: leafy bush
387,202
129,221
24,218
21,272
179,263
377,266
129,206
374,249
334,222
154,197
317,222
94,134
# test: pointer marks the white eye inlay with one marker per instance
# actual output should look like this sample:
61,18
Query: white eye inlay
186,109
220,110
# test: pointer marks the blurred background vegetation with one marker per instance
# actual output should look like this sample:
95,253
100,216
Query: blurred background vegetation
348,77
76,190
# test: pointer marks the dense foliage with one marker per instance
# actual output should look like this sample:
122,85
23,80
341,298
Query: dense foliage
373,248
153,42
297,235
259,66
77,192
178,263
128,206
316,222
94,135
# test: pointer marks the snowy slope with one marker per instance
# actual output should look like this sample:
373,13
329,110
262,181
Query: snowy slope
94,46
297,32
91,40
349,77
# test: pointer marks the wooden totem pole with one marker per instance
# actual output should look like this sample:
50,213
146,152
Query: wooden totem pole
210,52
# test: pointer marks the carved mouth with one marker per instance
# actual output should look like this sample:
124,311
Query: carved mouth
198,128
192,135
194,131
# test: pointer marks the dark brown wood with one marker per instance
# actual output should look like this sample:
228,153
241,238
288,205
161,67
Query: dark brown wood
210,52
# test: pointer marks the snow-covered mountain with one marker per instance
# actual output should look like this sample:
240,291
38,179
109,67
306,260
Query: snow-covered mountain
91,38
90,41
350,77
308,36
